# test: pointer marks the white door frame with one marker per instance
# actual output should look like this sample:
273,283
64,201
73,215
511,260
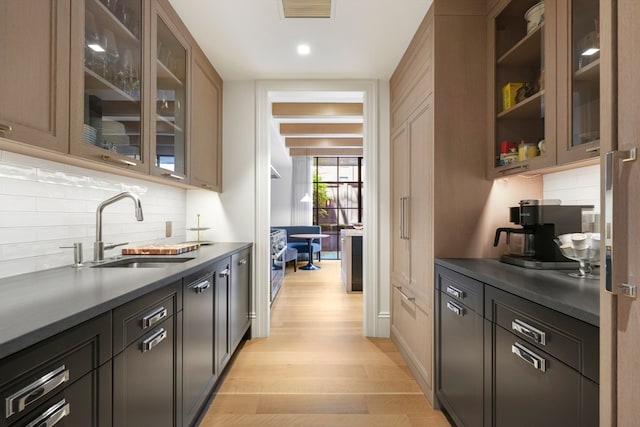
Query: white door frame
375,305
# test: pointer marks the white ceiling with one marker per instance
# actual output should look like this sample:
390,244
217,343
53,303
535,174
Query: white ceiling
251,40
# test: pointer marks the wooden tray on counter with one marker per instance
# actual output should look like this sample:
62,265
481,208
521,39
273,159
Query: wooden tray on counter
166,249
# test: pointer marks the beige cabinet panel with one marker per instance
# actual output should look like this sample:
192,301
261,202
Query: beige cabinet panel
34,75
400,255
206,124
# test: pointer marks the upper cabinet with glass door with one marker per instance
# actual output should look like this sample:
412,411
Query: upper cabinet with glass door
522,108
169,69
108,125
579,84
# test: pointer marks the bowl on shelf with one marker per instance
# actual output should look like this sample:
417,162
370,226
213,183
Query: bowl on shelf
581,247
534,16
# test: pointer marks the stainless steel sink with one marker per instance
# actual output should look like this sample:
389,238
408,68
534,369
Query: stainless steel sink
139,262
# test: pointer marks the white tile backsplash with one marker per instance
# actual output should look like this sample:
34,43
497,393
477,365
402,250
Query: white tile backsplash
579,186
45,205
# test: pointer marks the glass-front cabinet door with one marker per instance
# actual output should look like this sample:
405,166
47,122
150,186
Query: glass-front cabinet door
170,56
580,87
111,78
522,61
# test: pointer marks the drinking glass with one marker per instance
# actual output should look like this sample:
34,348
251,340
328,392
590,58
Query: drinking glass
112,55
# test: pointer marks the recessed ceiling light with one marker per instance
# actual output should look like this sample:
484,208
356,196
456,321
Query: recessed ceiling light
304,49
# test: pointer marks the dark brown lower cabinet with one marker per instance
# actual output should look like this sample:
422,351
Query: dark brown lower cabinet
199,372
460,382
505,361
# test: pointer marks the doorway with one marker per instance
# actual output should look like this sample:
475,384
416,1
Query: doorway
375,260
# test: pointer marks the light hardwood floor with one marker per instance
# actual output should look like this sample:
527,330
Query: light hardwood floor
317,369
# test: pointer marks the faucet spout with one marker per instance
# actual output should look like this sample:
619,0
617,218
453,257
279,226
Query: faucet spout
98,246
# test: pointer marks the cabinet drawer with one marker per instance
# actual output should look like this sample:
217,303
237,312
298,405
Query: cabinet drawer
533,389
140,316
570,340
461,288
33,375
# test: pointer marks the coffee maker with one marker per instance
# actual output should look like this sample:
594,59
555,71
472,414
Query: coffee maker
541,221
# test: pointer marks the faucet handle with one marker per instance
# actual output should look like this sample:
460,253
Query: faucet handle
77,253
114,245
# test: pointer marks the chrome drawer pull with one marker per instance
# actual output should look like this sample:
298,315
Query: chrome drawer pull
5,129
243,261
53,415
154,340
529,356
459,311
455,292
201,287
224,273
154,317
404,296
173,176
529,331
18,401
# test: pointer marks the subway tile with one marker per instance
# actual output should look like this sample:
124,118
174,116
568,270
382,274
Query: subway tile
18,204
17,172
61,178
17,235
60,205
103,184
15,267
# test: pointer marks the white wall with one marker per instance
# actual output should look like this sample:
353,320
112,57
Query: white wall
579,186
231,214
45,205
281,188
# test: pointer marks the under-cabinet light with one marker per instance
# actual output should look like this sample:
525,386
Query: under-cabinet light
590,51
96,47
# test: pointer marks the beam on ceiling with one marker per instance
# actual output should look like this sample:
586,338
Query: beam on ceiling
323,142
292,129
315,109
328,152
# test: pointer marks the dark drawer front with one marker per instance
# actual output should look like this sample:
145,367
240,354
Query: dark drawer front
34,375
140,316
75,406
534,389
461,288
566,338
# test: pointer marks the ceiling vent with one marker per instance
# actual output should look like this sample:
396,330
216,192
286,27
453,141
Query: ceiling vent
307,8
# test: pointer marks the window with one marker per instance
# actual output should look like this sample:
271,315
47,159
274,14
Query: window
338,193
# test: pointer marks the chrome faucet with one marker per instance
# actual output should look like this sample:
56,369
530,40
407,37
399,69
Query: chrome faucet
99,246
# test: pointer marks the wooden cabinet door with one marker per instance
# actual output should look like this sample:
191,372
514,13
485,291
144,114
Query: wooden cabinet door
240,298
206,124
400,204
626,214
421,237
34,75
578,80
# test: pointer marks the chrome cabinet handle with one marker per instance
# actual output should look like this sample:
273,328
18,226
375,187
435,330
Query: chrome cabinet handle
5,129
513,169
108,158
224,273
529,331
529,356
404,296
18,401
201,287
406,233
243,261
455,292
154,340
401,218
154,317
459,311
610,174
53,415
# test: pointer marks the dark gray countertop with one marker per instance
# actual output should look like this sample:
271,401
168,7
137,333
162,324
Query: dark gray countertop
554,289
38,305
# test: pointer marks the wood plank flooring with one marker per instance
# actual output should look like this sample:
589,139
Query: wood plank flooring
317,369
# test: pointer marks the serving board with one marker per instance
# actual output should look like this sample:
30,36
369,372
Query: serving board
166,249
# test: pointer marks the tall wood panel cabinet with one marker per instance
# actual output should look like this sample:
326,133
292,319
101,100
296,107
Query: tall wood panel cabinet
34,76
206,124
438,98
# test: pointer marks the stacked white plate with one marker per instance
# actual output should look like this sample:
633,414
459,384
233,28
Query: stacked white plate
113,132
89,134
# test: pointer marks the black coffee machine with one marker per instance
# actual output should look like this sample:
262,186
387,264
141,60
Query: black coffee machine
544,220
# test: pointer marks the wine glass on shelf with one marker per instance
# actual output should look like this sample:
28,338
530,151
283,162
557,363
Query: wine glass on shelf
112,55
92,40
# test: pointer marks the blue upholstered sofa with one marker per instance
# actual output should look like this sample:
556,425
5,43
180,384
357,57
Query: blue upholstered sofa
301,244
